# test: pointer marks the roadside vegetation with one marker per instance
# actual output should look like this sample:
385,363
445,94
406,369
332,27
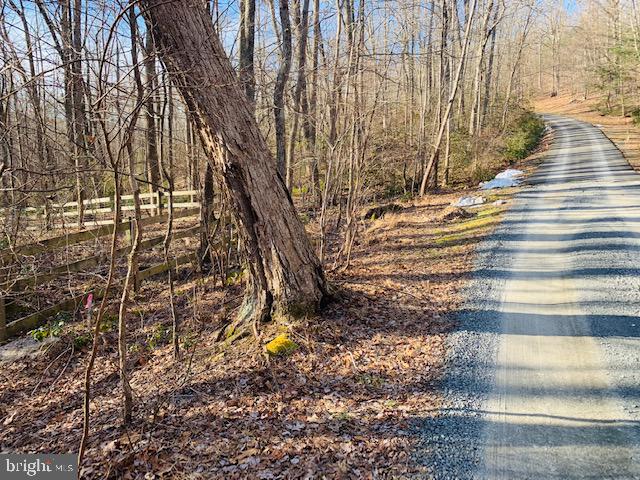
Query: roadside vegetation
524,136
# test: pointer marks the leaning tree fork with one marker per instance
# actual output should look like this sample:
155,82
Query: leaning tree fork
285,276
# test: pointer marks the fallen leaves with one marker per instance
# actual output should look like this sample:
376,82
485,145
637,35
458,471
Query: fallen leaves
344,404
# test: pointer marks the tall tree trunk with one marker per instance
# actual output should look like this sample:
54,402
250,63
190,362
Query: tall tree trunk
335,87
457,28
247,42
68,45
299,107
153,161
207,197
443,85
312,130
278,91
514,68
486,99
284,274
634,27
192,159
79,115
485,33
452,97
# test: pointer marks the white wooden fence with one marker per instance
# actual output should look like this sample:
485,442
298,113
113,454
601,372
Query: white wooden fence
97,210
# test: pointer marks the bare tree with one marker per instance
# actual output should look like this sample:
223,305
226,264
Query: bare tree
285,276
153,162
300,105
278,91
452,97
247,44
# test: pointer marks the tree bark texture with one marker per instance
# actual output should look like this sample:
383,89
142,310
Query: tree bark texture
284,275
247,42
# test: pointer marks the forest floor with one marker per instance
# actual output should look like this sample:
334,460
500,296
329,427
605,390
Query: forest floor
343,405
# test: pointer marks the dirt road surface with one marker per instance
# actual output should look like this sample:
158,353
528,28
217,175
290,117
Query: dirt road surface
544,368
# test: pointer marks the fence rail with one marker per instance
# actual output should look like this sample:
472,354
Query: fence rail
14,287
97,208
36,319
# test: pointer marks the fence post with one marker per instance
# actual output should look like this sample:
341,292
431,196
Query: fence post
159,200
134,267
3,321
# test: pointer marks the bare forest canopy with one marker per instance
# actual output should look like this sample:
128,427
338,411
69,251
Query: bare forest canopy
395,97
355,102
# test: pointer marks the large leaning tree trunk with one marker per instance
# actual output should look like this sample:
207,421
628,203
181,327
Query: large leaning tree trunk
284,274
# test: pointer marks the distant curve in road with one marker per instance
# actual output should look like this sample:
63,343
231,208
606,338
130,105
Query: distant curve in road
546,366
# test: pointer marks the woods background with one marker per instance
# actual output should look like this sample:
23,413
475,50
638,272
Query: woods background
357,100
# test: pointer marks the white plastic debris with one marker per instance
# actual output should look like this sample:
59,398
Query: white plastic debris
499,183
508,178
510,173
469,201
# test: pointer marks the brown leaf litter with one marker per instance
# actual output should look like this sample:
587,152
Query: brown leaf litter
342,405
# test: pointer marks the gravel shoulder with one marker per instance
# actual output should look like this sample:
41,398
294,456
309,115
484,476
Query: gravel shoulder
450,441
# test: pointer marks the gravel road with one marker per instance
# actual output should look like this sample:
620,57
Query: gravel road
543,372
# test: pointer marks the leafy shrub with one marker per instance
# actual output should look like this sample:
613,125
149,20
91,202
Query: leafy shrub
635,115
481,174
189,340
159,335
81,340
53,328
524,137
109,322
